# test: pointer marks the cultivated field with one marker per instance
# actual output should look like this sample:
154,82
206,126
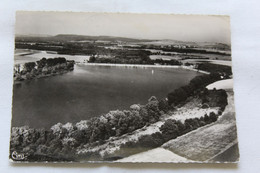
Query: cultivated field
207,142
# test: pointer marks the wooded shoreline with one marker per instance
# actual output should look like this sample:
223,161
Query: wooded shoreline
42,68
65,139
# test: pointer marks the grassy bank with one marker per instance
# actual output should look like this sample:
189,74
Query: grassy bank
205,143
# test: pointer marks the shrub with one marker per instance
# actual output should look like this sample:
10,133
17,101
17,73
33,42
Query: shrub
188,127
195,123
206,119
202,123
169,129
158,138
214,98
220,112
181,127
213,117
146,141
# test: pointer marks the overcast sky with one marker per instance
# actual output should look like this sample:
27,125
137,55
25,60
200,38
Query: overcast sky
175,27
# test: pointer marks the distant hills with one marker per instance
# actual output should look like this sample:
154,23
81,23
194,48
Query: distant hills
73,37
105,38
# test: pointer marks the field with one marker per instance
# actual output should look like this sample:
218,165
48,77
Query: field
215,142
155,155
223,84
207,142
165,57
24,55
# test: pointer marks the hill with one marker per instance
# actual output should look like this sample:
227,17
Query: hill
72,37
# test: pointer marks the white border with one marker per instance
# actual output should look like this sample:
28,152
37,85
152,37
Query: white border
245,27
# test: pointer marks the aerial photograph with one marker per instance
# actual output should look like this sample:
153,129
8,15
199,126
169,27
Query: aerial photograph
122,87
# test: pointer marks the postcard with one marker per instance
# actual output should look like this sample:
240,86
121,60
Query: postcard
122,87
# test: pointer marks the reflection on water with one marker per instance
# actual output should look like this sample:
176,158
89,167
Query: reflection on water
90,91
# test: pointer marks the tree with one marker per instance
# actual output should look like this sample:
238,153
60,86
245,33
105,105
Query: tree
57,129
153,109
56,143
188,127
169,129
42,137
150,141
82,125
17,68
144,114
177,96
68,141
195,123
92,59
181,127
29,66
41,63
206,119
163,105
69,128
213,117
16,138
135,107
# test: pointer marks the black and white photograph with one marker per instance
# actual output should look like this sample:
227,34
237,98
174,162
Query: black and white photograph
122,87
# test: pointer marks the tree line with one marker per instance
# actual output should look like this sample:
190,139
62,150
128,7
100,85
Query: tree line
195,85
223,70
123,57
138,59
62,140
42,67
171,129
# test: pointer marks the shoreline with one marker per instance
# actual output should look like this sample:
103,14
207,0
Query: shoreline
40,76
143,66
114,143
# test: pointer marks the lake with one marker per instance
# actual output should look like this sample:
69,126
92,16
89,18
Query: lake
90,91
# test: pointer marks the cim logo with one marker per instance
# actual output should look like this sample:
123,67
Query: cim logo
17,156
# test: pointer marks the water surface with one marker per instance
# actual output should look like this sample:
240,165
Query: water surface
90,91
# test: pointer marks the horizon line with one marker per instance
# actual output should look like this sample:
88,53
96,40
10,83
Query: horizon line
48,35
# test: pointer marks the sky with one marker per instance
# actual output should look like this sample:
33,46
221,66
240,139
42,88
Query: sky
197,28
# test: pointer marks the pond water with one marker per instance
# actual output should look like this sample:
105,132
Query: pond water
90,91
